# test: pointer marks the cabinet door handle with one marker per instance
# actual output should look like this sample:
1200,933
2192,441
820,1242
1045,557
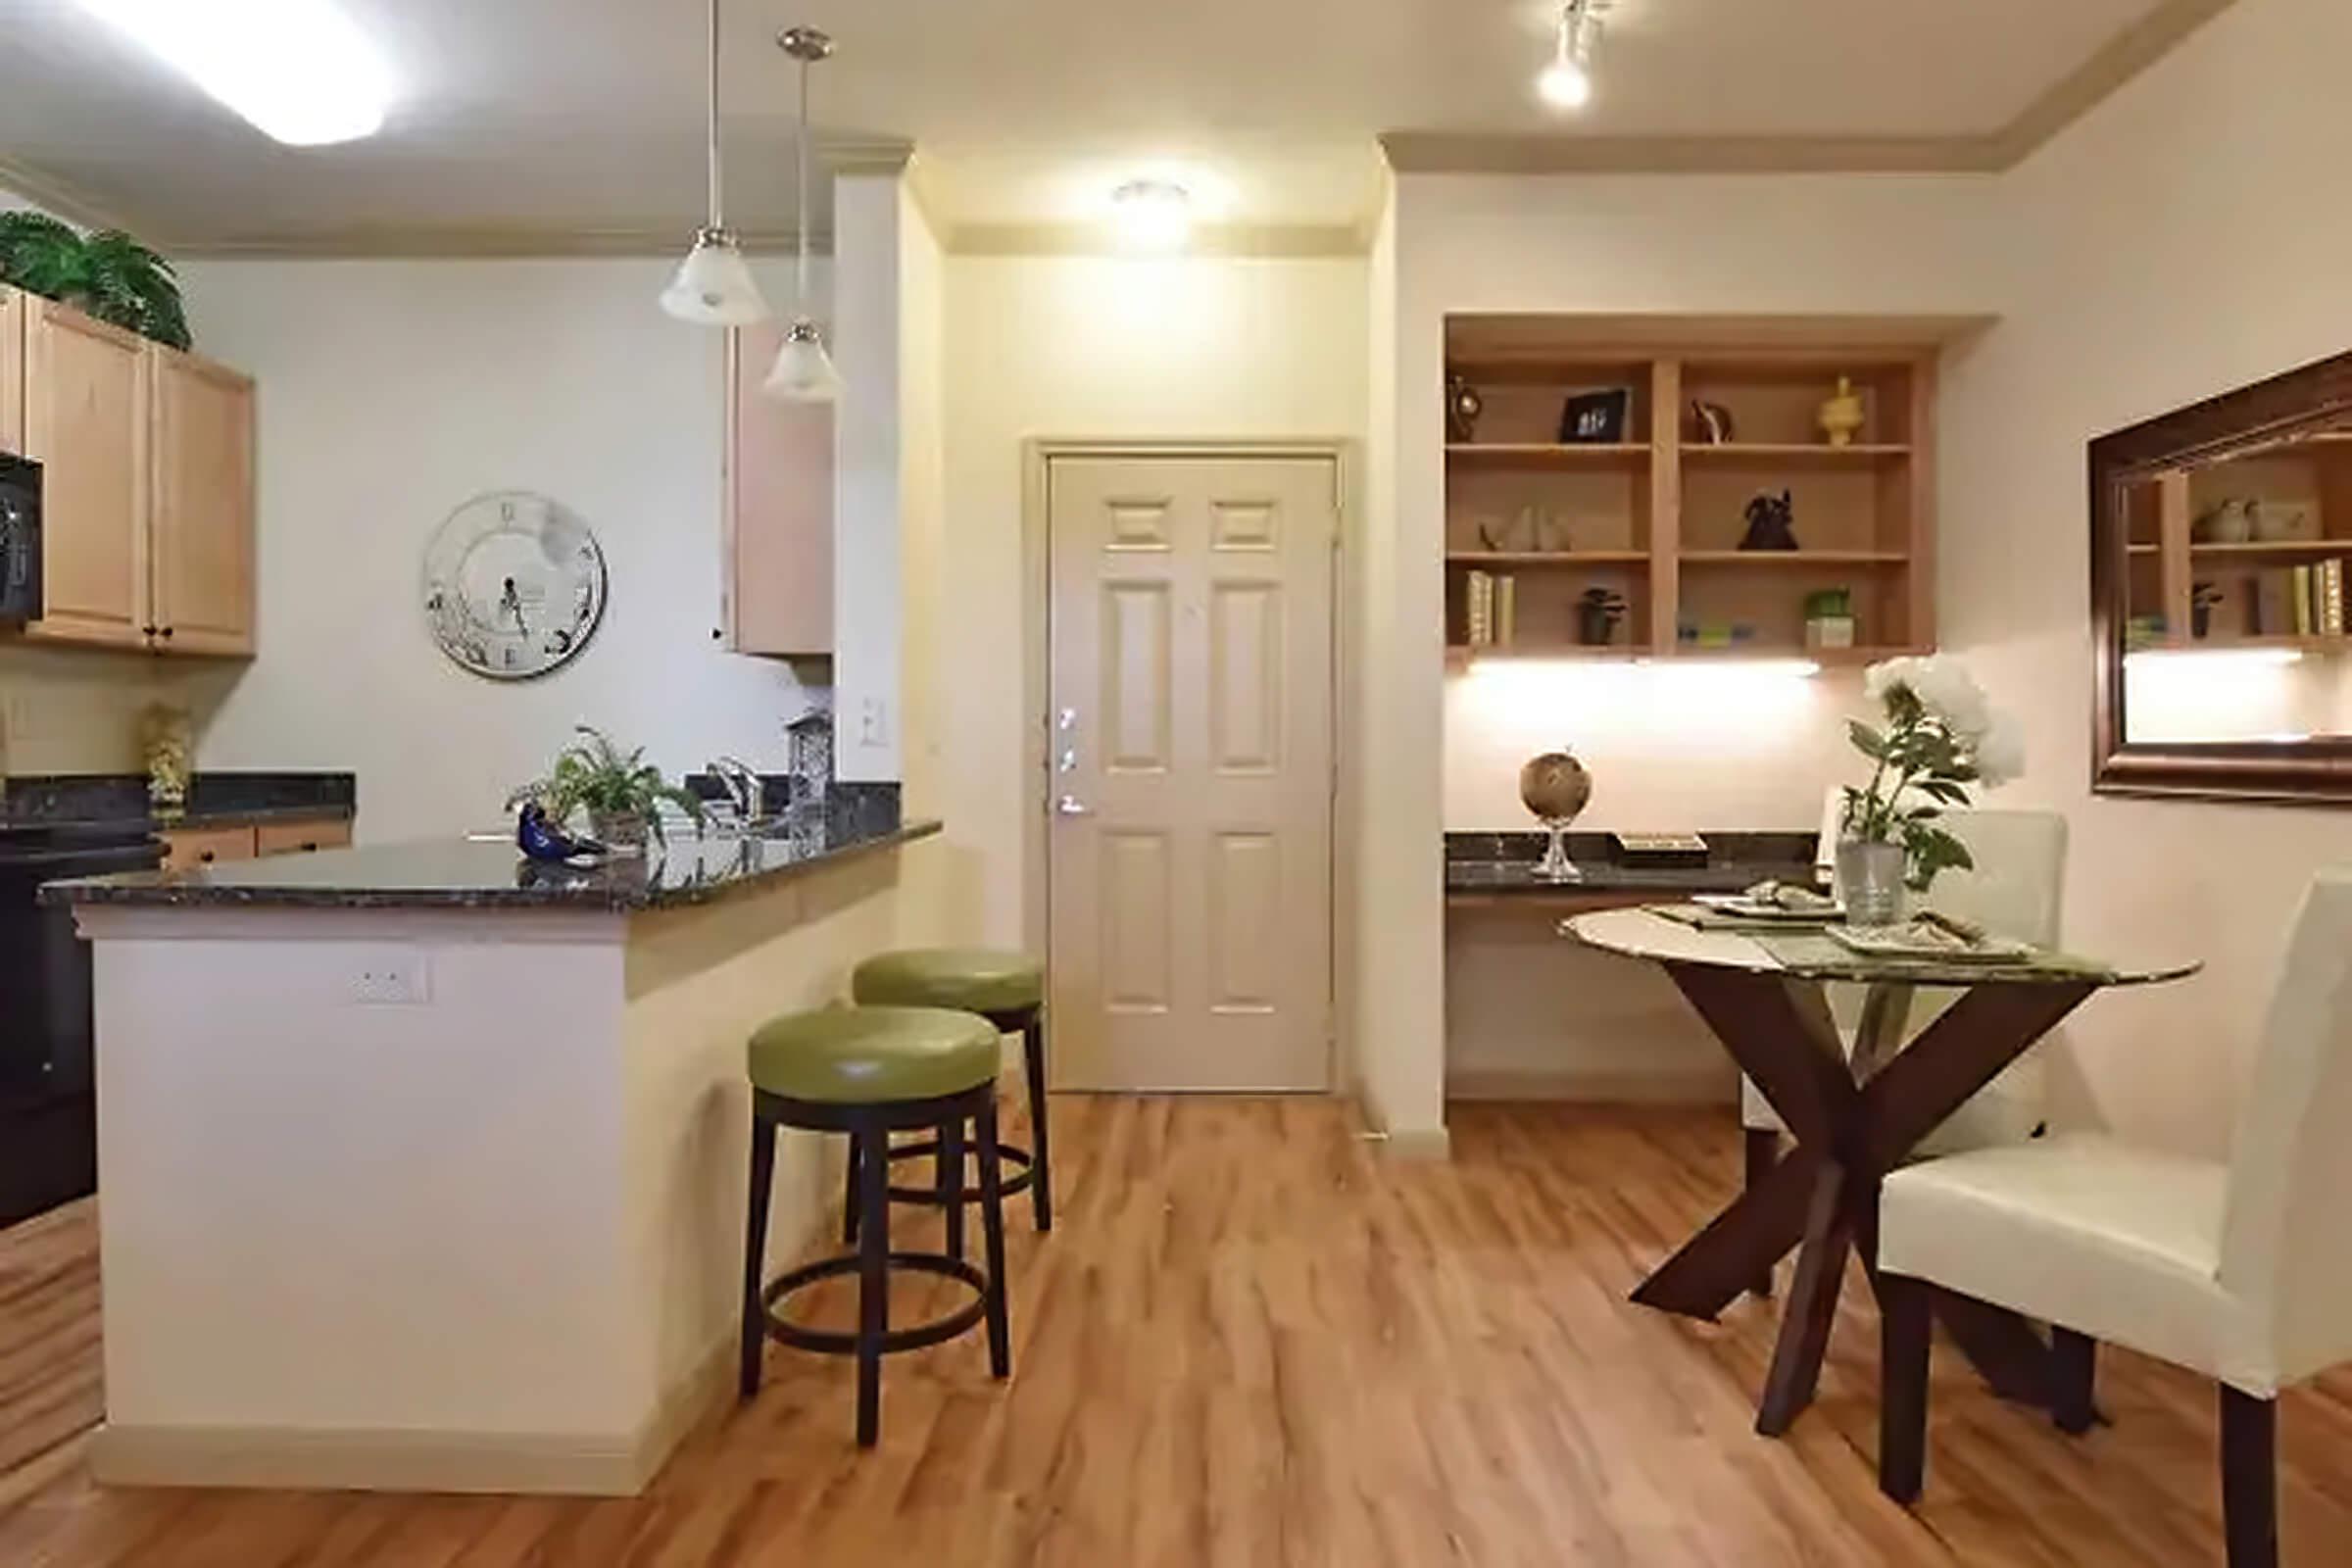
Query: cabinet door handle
167,632
207,856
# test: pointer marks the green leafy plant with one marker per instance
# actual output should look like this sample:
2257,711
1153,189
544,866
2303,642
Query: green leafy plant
107,274
1942,738
594,775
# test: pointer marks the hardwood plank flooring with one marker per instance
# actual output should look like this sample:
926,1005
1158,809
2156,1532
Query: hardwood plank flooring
1251,1341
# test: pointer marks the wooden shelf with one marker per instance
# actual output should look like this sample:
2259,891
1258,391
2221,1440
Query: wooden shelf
1554,560
1547,454
1794,452
1794,558
1686,653
2312,643
2291,552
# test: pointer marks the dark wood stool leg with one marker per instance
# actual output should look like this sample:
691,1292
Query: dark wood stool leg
2250,1478
874,1284
754,1255
850,1196
1761,1150
992,1226
1905,1323
2074,1374
1040,1138
948,1165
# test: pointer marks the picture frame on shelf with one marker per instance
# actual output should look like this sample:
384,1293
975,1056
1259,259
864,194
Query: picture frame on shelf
1597,418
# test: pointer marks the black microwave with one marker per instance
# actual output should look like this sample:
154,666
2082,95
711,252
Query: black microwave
20,539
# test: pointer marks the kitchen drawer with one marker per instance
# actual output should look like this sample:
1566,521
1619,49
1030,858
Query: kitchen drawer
302,837
189,848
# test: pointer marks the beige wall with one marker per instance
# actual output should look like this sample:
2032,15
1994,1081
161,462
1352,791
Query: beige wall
2173,245
73,712
1091,347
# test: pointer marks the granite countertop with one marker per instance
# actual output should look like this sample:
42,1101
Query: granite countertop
118,801
469,874
1504,864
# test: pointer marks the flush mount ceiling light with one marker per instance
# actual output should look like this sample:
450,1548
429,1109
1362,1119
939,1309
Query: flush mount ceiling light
298,70
1567,81
804,371
712,286
1152,214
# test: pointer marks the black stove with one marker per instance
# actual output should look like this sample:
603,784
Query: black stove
48,1123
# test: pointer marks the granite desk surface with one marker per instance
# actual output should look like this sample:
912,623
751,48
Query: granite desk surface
471,874
1503,864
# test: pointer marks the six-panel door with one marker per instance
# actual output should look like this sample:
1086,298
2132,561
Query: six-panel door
1191,771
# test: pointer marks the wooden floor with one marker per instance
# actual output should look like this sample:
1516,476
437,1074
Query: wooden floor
1251,1341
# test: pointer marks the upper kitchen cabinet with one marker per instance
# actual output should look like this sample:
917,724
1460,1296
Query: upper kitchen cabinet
779,516
202,552
147,459
86,423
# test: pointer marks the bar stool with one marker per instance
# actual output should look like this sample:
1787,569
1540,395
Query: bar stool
1008,990
869,1072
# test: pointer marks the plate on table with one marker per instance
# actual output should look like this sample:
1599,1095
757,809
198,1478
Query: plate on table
1745,907
1934,943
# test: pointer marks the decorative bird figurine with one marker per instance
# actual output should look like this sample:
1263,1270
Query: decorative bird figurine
541,840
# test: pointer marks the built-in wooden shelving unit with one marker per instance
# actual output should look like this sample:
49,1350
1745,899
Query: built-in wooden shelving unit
2253,552
1657,517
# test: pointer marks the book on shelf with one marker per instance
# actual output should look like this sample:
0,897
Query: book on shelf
2301,576
2329,592
1490,609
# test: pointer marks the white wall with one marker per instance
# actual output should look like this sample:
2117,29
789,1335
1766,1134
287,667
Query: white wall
2173,245
871,236
1087,347
390,393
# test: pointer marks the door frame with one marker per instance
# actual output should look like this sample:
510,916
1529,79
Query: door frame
1037,643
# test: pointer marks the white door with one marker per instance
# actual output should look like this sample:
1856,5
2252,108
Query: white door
1190,770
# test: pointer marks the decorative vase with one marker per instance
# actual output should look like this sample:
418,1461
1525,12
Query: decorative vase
1843,416
622,832
1555,787
1870,881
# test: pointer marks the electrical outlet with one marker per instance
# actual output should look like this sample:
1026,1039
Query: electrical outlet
391,977
871,715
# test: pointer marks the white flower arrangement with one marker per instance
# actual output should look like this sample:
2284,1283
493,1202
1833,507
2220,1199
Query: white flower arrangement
1942,737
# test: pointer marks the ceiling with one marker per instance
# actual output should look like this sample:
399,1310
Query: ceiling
582,118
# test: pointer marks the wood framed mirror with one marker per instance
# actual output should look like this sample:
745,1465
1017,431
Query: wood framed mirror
2221,547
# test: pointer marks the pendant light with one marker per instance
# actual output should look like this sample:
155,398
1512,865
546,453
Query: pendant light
804,371
1567,81
712,286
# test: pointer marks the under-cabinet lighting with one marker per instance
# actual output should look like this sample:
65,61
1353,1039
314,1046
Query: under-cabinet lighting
2217,657
1153,215
299,70
1730,665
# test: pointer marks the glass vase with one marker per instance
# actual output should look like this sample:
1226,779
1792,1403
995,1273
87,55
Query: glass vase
1870,882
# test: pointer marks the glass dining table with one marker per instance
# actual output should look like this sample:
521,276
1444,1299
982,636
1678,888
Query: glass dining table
1855,1111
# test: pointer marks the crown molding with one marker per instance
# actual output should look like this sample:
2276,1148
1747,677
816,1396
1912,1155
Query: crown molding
1441,152
551,242
1266,240
2116,65
57,197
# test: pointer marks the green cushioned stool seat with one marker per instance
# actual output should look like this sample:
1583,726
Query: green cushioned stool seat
975,979
872,1056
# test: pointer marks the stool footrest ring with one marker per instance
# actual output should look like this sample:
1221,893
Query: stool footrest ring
921,1335
1020,1179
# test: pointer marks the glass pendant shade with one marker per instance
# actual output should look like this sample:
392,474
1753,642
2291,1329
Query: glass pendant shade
804,371
714,286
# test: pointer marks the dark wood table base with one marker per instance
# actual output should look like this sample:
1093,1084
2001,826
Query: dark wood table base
1853,1120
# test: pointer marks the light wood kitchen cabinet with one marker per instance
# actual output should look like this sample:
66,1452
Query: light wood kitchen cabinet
190,847
147,506
779,509
11,371
302,837
86,421
203,527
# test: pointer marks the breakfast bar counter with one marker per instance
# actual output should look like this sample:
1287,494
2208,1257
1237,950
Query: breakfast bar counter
422,1165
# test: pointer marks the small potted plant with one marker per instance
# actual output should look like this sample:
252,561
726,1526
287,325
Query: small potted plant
621,793
1941,739
1830,618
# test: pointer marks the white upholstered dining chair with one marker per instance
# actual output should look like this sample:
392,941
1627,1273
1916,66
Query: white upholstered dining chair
2239,1271
2016,889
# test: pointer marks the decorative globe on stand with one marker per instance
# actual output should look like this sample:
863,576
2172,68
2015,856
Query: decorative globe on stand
1555,787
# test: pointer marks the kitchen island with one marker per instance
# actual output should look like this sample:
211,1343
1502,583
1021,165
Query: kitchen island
421,1167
